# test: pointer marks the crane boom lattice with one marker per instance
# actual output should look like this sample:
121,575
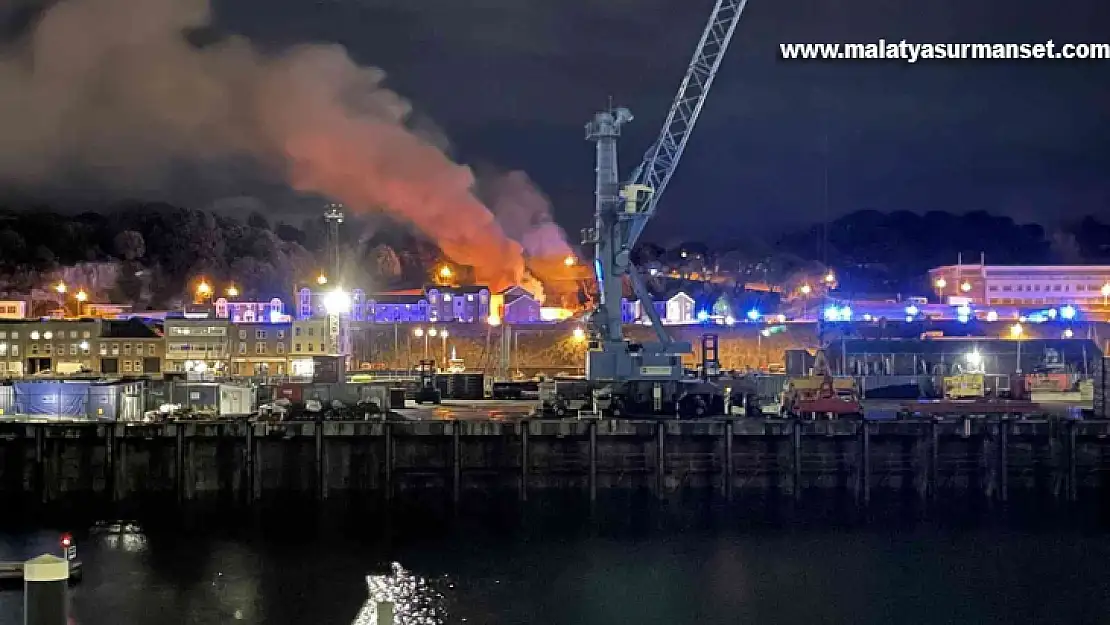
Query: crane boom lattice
662,159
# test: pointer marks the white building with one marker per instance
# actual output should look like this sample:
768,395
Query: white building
1083,286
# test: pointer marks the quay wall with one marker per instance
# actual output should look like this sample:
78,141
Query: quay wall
249,462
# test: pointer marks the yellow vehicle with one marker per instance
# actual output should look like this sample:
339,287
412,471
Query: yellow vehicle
821,393
965,386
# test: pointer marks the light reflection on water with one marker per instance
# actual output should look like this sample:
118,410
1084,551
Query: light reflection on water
415,601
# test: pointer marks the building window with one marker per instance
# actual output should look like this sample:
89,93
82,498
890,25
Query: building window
103,349
242,348
85,334
260,335
309,347
281,334
242,335
312,331
297,347
150,349
127,349
322,348
73,349
15,350
127,365
115,349
281,348
260,348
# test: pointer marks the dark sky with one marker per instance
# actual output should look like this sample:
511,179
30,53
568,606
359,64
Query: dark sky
512,82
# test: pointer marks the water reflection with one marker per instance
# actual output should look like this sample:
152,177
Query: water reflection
120,536
415,601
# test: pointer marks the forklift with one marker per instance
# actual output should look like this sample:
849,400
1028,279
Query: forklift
426,388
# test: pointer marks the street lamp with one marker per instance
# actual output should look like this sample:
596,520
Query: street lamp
806,289
445,272
1068,333
1105,292
965,287
1016,332
830,277
60,288
569,261
418,333
82,296
493,320
337,302
321,279
443,338
232,291
579,335
203,290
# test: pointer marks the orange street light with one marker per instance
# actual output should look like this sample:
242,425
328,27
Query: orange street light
232,291
321,279
82,296
445,272
569,261
203,289
60,288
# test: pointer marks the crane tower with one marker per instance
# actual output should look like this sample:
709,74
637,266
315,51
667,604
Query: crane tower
333,216
649,370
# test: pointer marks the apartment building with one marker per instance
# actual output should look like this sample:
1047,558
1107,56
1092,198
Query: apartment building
30,347
197,345
130,347
260,349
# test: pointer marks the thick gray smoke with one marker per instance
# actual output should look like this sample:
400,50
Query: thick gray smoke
112,89
524,212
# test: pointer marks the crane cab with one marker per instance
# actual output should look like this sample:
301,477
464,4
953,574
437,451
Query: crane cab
636,196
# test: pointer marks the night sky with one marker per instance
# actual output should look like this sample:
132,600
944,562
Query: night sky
511,83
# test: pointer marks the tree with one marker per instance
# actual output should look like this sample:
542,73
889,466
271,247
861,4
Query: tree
129,245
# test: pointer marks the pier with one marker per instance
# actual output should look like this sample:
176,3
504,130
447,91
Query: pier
995,458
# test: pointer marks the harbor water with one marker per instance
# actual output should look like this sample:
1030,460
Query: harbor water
563,563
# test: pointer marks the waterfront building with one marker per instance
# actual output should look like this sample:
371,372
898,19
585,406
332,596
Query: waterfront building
260,349
130,347
197,345
48,346
14,309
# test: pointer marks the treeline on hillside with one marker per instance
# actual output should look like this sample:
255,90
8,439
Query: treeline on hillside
163,248
873,252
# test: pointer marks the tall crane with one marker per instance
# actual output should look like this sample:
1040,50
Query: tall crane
621,213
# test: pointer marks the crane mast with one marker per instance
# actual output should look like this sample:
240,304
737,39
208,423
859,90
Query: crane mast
621,213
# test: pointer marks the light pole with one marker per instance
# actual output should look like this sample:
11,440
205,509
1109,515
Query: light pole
1105,293
1016,332
443,336
82,297
420,333
806,290
940,284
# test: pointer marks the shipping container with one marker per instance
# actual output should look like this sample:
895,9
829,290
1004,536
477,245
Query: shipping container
236,400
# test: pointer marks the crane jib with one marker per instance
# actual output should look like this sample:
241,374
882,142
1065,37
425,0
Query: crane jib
661,160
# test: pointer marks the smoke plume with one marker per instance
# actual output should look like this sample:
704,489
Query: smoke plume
113,90
524,213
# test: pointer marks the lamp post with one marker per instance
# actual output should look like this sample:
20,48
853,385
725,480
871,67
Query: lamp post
81,297
805,290
419,333
1105,293
443,337
940,284
1016,332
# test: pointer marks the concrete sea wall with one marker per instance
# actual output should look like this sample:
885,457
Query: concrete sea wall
245,462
